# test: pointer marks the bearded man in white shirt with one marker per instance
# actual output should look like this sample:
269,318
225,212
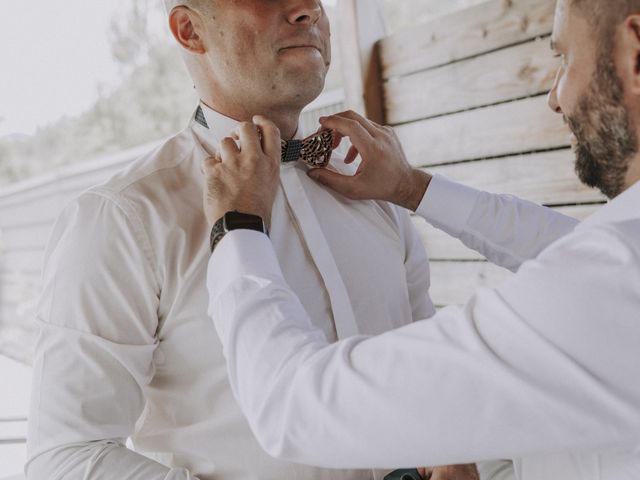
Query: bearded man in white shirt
126,350
546,366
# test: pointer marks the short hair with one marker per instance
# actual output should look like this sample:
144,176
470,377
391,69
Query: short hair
606,16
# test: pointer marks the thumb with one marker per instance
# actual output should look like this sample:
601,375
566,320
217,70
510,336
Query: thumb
343,184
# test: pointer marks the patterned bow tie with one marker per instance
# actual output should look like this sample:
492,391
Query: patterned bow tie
315,150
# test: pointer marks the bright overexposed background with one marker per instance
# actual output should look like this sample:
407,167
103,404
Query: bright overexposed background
87,78
54,56
82,79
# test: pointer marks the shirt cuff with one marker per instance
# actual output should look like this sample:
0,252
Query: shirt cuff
240,253
447,205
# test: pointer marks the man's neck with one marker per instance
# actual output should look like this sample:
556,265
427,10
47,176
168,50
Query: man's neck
286,119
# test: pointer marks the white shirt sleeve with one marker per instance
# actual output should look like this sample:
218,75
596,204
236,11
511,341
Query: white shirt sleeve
97,320
519,371
505,229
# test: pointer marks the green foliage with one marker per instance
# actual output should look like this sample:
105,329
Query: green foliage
155,100
129,35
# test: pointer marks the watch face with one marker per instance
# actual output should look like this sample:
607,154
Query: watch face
237,221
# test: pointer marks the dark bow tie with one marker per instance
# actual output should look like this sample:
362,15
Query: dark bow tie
315,150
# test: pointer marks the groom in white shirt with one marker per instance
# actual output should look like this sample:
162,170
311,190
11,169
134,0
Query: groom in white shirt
129,375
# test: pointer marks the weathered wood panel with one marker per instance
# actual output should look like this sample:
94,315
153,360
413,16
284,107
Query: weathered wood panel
521,71
453,283
440,246
480,29
511,128
547,178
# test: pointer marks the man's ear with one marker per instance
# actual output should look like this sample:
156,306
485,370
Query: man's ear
628,47
185,25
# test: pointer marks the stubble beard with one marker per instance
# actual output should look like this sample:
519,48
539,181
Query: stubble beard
605,133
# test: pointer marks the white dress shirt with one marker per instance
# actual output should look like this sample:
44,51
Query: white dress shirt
126,350
546,364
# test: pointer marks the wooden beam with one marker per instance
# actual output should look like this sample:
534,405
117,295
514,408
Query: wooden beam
506,129
508,74
547,178
360,27
453,283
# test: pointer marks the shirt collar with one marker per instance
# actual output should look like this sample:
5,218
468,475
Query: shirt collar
625,206
218,127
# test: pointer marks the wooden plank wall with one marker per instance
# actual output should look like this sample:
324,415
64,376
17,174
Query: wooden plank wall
467,96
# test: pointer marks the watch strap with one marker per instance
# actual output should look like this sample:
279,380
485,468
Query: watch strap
235,221
217,233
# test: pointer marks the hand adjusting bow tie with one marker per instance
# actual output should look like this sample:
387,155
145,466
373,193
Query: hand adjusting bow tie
315,150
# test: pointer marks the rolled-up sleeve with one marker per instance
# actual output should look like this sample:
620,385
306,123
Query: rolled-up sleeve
97,335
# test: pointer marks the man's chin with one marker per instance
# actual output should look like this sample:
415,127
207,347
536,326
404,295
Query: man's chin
303,87
593,175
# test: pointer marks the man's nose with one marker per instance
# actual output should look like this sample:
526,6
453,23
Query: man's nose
305,12
552,98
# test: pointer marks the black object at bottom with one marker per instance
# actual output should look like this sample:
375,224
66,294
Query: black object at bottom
404,474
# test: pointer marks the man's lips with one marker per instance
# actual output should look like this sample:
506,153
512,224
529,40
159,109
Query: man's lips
293,47
307,41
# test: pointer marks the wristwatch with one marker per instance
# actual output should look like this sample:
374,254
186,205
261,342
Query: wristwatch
235,221
404,474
